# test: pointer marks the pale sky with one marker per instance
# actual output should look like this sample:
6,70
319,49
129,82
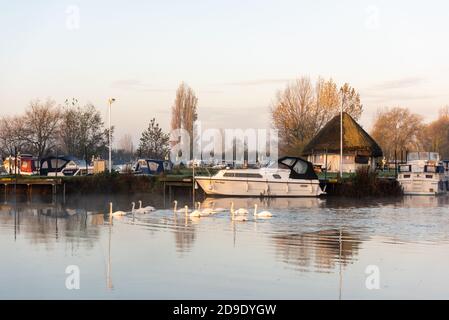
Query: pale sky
235,54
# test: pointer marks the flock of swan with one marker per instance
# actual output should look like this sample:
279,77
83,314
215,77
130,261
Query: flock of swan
240,214
140,210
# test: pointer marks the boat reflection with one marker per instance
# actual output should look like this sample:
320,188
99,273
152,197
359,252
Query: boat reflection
273,203
424,201
318,251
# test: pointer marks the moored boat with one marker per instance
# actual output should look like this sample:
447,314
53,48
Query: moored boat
289,177
423,174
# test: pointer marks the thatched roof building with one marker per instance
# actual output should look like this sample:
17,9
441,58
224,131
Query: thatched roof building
355,139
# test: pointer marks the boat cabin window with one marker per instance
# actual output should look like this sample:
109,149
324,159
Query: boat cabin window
242,175
57,163
276,176
300,167
154,166
248,175
45,165
434,169
142,163
288,161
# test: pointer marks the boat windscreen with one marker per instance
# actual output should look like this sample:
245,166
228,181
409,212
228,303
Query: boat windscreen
58,163
300,167
430,156
288,161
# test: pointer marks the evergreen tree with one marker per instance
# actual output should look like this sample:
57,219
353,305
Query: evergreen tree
154,142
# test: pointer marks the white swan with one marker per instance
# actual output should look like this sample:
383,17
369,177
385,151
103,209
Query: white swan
205,212
195,214
147,209
239,211
182,210
217,210
119,213
135,211
239,218
116,213
263,214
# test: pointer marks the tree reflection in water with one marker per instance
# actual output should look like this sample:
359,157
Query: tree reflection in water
185,233
41,222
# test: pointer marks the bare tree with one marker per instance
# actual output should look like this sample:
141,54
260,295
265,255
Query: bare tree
302,109
397,130
126,143
40,126
292,114
82,130
184,110
10,136
328,101
435,136
350,100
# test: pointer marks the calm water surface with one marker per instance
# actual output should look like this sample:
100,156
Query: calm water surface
310,248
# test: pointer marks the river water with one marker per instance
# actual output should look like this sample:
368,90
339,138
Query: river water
310,249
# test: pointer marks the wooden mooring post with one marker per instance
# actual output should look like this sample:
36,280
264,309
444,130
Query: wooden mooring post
172,183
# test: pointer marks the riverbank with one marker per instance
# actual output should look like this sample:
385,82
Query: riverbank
358,185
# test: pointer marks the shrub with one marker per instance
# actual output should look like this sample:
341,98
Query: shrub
105,183
366,183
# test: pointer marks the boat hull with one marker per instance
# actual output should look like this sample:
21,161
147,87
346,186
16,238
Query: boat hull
250,188
423,187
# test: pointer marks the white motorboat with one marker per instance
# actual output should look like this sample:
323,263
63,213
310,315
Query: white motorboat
290,177
423,174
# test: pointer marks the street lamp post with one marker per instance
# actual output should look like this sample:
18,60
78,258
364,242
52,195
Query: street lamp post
111,100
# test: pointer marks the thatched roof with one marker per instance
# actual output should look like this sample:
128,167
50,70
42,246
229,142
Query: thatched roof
355,139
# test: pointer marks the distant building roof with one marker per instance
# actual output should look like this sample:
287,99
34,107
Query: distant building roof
355,139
